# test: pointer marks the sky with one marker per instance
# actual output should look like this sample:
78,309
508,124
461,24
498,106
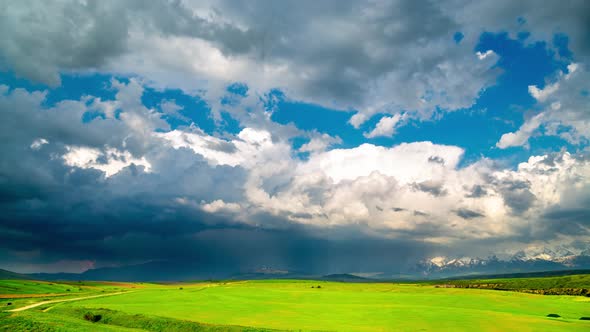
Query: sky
320,136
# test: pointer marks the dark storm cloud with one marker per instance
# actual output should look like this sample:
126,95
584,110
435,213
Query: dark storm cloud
143,229
65,212
567,221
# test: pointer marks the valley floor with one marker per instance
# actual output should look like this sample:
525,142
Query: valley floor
286,305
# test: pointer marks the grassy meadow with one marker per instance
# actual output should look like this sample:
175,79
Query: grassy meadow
293,305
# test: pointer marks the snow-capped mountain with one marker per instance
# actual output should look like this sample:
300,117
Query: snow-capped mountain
543,253
527,260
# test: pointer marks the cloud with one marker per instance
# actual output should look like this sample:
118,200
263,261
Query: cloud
477,191
433,188
92,35
468,214
172,109
542,22
521,137
38,143
436,159
319,143
386,126
564,106
392,64
200,188
408,162
201,47
111,161
77,192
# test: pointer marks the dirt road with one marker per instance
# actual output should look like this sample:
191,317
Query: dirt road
34,305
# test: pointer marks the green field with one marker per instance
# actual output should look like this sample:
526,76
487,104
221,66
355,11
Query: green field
298,305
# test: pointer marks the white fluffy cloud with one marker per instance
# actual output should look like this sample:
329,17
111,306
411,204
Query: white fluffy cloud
413,188
564,110
521,137
111,161
319,143
408,162
386,126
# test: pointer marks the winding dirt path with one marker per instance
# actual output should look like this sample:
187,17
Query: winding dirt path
34,305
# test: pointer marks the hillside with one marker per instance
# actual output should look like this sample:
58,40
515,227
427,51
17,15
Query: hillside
9,275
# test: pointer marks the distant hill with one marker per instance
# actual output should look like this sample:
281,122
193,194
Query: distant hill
262,276
345,277
151,271
8,275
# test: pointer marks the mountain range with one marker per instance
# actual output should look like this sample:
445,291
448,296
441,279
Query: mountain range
530,260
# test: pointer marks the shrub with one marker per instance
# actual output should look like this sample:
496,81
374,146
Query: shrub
584,318
553,315
67,290
319,286
10,303
180,288
92,317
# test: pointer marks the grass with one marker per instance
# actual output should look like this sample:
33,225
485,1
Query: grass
34,287
19,293
294,305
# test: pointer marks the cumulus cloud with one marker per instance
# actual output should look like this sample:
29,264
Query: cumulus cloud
564,105
385,127
521,137
319,143
111,161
